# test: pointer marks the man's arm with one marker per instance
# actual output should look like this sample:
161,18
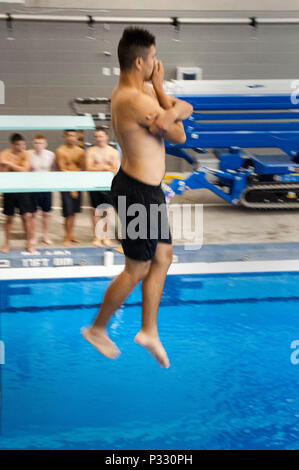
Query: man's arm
90,166
61,161
53,166
89,161
24,166
82,160
181,109
169,123
145,110
175,134
114,160
169,127
2,165
4,161
140,108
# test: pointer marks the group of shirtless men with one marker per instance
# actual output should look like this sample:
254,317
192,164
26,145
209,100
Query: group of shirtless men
68,157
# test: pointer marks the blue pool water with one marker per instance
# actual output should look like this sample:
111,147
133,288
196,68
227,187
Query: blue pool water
231,384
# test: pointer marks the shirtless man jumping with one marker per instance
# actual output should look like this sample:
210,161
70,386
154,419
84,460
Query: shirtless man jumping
142,116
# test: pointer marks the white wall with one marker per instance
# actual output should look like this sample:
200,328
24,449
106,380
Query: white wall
196,5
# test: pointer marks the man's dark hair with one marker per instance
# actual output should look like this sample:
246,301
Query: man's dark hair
102,129
16,138
69,130
134,43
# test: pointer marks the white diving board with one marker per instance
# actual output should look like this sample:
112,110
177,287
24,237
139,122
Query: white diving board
29,182
35,122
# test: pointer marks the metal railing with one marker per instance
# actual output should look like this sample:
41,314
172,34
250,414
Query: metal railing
175,21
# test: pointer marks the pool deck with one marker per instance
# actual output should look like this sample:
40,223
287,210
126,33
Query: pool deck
235,239
90,261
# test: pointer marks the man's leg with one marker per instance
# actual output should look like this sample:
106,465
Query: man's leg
108,228
103,225
33,222
27,219
73,238
93,196
7,231
152,288
115,295
33,198
68,210
24,224
45,227
69,223
69,228
96,241
97,234
76,207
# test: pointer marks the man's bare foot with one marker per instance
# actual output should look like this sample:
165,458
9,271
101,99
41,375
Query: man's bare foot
97,242
107,242
31,248
75,240
47,241
101,342
66,242
154,346
5,248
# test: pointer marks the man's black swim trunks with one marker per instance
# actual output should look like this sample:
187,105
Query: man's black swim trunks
142,212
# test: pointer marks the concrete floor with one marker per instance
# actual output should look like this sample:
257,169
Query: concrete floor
222,223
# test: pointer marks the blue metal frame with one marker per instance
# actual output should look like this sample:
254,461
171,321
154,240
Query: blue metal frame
198,179
239,102
231,135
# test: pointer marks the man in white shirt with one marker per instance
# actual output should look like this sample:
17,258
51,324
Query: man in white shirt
41,160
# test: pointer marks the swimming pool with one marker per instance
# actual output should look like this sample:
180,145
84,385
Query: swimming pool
231,384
